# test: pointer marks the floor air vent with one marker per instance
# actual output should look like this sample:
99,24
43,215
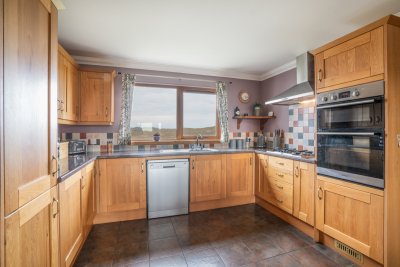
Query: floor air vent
349,251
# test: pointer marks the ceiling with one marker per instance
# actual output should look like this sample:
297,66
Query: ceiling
252,39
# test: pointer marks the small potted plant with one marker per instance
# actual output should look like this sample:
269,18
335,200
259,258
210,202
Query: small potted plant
156,137
257,109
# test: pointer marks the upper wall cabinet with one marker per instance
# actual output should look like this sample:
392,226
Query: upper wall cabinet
68,88
97,97
355,61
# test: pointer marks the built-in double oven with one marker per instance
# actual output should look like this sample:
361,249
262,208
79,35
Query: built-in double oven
350,134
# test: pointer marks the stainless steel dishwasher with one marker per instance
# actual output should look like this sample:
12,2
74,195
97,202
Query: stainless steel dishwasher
167,187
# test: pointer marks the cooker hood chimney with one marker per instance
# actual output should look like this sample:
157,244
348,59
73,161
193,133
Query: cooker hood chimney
304,89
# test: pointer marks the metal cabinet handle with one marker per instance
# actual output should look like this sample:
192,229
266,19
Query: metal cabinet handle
297,172
106,111
320,193
142,168
320,75
54,165
57,209
281,163
280,187
280,201
192,164
280,174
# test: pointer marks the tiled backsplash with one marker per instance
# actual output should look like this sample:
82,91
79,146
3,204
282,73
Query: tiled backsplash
301,127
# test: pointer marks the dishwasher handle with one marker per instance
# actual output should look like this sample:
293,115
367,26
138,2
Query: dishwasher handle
168,166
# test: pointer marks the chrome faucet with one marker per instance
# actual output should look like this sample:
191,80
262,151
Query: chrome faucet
199,136
198,146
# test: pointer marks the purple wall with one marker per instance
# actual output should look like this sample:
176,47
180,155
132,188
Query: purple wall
272,87
237,85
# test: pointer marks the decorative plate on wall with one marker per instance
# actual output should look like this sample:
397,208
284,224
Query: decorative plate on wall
244,97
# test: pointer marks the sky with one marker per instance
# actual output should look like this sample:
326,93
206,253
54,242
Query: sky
158,106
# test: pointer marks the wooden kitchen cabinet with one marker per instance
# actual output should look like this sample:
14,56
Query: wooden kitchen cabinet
30,102
260,177
68,88
96,97
88,201
207,178
352,214
303,191
71,230
239,174
122,189
359,60
31,233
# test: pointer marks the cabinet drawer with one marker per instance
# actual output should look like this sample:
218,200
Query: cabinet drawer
282,164
280,194
280,174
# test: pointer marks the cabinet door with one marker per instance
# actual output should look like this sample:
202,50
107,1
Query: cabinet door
239,175
88,208
62,86
71,235
96,97
122,184
31,233
358,58
30,100
261,174
303,191
351,214
207,178
72,98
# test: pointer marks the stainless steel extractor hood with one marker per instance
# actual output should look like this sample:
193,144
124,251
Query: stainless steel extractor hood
304,89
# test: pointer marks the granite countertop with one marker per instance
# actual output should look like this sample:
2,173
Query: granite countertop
72,164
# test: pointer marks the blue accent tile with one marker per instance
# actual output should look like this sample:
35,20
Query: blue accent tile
98,142
301,117
68,136
291,112
300,135
311,123
141,148
311,142
255,134
290,129
110,135
239,134
175,146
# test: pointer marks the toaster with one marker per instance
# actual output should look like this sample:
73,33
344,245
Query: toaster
76,147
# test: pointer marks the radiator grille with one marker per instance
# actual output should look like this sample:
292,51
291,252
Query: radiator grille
349,251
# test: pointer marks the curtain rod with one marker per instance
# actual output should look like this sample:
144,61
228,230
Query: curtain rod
170,77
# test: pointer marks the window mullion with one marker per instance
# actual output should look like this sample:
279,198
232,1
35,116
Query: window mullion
179,113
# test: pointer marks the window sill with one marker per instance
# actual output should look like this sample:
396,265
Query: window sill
176,142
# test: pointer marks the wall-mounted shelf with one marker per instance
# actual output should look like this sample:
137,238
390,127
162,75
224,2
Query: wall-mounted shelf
262,119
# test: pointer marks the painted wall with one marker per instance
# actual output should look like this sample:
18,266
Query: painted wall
272,87
234,86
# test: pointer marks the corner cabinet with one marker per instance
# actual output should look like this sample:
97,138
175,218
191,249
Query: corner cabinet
357,60
303,191
121,191
96,97
352,214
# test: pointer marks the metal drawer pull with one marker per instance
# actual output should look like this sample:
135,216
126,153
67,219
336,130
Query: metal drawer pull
280,187
280,201
320,193
280,174
192,164
55,201
281,163
297,171
142,167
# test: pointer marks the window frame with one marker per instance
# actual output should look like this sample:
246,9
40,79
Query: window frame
180,138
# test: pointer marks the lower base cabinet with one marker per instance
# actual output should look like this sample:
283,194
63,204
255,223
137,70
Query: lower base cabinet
260,177
71,230
303,191
352,214
88,201
31,233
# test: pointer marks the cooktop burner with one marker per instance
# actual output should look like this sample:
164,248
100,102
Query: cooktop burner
294,151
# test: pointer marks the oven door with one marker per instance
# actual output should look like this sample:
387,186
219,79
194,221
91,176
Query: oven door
357,157
366,114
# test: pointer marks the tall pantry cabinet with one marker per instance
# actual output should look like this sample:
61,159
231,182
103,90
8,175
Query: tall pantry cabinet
28,130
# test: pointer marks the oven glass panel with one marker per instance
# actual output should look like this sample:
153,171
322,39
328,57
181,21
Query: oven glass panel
353,117
361,155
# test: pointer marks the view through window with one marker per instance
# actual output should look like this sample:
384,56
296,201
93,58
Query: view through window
155,110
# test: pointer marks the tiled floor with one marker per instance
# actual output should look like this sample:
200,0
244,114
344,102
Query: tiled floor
238,236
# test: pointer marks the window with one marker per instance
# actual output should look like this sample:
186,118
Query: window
175,113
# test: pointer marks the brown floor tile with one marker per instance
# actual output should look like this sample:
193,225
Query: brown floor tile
131,253
333,255
207,257
193,242
262,247
160,231
287,241
159,221
164,248
311,257
236,254
173,261
284,260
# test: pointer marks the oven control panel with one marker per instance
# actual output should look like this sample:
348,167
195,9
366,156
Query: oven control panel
351,93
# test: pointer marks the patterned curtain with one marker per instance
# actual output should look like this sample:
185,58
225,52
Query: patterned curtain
222,107
128,84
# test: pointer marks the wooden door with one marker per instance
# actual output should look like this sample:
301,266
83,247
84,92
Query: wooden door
303,191
62,86
122,184
74,106
358,58
30,100
352,214
239,174
32,233
96,96
207,178
88,208
71,231
261,174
